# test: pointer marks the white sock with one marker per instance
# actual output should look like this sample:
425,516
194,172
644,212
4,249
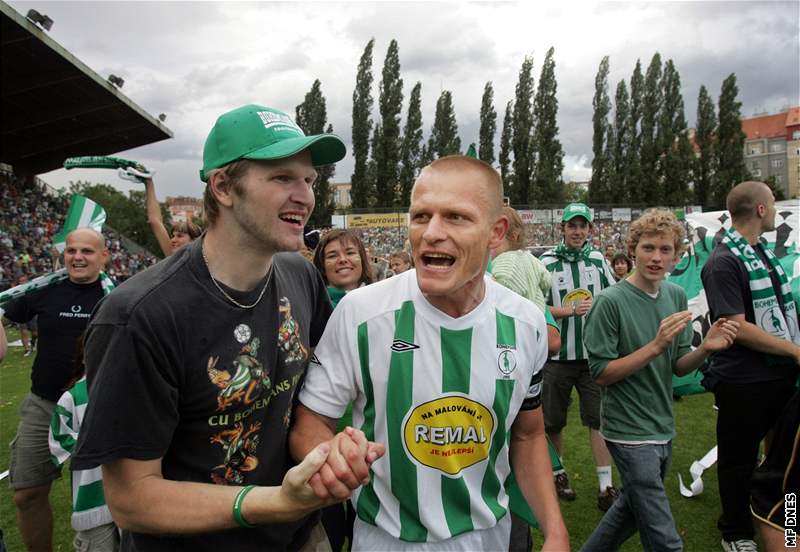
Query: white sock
557,472
604,476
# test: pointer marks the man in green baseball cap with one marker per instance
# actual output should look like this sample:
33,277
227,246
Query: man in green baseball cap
262,133
199,359
578,273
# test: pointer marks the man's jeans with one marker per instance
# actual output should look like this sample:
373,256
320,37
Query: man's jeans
642,504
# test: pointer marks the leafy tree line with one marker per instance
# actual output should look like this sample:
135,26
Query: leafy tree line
644,153
390,151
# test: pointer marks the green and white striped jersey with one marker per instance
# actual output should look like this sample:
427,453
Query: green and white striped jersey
89,509
440,392
591,275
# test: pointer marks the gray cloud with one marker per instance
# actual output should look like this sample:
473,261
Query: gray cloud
194,60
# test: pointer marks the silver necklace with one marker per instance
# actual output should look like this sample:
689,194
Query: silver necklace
228,297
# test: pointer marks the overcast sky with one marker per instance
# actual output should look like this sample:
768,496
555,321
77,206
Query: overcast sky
196,60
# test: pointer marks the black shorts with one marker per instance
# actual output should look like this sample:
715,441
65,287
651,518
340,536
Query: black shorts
776,482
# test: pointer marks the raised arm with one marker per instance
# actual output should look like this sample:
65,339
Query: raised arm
154,218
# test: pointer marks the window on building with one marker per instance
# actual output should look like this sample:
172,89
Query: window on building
777,146
778,179
777,163
756,171
796,135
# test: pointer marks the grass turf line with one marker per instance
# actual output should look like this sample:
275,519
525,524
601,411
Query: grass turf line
695,518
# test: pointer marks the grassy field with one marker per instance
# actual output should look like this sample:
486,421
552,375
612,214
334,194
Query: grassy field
695,518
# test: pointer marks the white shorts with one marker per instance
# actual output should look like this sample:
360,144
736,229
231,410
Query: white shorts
369,538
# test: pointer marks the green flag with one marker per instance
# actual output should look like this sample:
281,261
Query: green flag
471,151
83,213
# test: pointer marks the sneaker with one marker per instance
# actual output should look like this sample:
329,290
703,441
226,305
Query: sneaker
606,498
27,353
562,487
742,545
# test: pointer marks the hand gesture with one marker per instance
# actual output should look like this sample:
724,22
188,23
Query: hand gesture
720,336
347,465
296,490
583,307
669,328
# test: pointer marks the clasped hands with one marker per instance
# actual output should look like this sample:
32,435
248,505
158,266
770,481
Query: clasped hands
346,466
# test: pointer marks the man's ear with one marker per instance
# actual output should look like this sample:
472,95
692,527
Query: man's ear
498,232
220,186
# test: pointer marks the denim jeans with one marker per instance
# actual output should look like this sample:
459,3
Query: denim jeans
642,504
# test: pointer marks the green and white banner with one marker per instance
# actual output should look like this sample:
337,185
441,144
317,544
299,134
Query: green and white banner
83,213
706,232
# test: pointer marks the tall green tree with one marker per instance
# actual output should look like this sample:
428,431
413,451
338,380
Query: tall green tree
600,184
610,175
372,166
704,138
326,204
547,180
410,154
522,135
506,145
444,138
634,180
362,128
312,116
390,102
620,156
675,159
651,107
730,143
488,125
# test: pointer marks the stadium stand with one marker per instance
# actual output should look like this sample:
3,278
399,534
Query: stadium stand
53,106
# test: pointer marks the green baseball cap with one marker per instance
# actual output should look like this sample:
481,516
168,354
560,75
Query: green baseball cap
576,210
258,132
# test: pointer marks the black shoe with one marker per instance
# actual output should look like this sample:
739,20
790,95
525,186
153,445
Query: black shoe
606,498
562,487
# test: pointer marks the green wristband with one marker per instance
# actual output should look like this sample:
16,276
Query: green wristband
237,508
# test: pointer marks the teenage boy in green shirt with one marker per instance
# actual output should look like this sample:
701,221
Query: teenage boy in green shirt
638,334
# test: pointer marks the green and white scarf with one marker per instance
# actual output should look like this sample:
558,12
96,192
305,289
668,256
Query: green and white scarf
573,255
46,281
769,316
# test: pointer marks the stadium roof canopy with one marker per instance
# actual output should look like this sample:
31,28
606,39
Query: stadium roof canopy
53,106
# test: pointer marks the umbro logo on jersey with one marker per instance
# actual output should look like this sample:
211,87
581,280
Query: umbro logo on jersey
400,346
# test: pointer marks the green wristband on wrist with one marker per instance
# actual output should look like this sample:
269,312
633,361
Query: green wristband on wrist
237,508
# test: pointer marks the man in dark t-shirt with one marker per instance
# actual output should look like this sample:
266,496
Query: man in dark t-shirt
193,365
63,310
752,380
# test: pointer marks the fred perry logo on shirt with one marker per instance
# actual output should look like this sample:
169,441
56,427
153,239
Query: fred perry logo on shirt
400,346
76,308
507,362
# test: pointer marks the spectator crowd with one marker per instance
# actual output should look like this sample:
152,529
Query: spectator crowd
31,216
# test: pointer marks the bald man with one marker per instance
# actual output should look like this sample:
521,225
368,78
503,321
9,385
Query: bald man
443,365
753,379
63,310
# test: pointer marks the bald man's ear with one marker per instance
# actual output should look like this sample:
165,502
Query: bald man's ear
498,232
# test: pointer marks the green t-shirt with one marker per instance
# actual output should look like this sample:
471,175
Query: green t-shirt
622,320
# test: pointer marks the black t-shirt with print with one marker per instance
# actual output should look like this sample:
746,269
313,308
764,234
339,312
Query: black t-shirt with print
177,372
727,286
63,310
